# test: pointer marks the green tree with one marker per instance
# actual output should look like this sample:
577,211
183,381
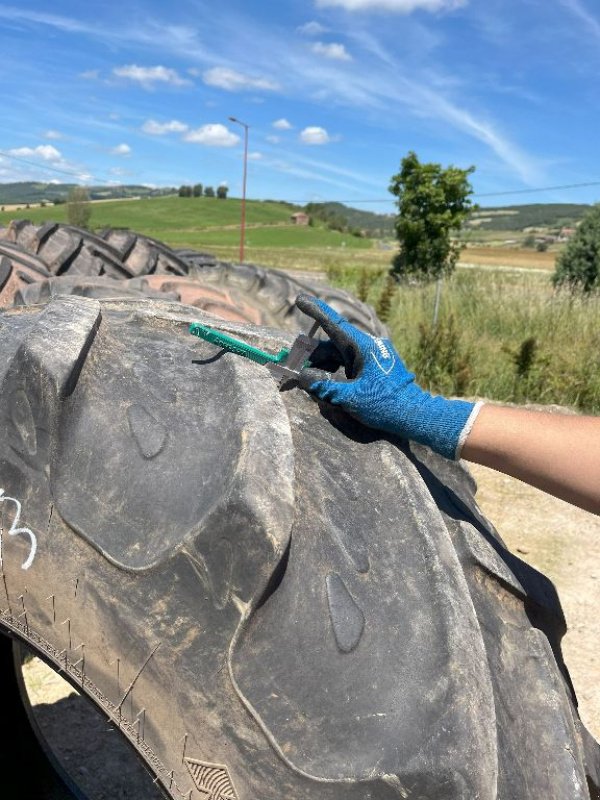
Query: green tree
578,266
197,190
222,192
79,209
185,191
209,191
433,202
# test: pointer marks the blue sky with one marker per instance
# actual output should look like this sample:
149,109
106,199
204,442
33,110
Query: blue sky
335,92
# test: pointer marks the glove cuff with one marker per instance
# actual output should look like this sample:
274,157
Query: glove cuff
467,429
440,424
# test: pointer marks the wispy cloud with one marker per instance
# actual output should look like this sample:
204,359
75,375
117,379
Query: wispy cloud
333,50
53,135
156,34
282,124
161,128
311,29
212,135
577,8
148,77
397,6
233,81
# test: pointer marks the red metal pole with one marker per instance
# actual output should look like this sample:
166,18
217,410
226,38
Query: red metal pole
243,227
243,223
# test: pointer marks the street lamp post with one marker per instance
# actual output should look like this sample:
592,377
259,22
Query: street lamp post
243,222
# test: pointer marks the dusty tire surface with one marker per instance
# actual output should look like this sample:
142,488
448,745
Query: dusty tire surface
234,292
67,250
264,598
275,291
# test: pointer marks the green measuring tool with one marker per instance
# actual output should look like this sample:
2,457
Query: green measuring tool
284,365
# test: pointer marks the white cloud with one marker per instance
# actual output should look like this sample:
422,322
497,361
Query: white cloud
53,135
44,151
282,124
314,135
273,139
90,74
233,81
312,29
160,128
121,150
333,50
212,135
149,76
398,6
255,156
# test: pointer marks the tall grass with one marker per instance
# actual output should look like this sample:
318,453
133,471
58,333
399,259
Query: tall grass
503,336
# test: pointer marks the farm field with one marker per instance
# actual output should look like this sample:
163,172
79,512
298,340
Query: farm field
508,257
504,335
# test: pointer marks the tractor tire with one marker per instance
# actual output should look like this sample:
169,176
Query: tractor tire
18,269
67,250
276,292
144,255
264,598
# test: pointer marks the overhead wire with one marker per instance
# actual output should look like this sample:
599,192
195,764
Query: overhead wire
506,193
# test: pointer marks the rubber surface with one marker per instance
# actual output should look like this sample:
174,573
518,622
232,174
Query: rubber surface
265,598
82,264
276,292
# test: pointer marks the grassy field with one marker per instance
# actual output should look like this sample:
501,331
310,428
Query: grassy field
204,223
504,336
164,214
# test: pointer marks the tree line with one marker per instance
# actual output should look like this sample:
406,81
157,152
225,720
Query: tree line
198,190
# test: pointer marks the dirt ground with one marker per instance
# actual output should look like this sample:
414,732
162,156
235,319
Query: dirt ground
508,256
563,542
559,540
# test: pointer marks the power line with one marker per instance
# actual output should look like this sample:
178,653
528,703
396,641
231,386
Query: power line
45,167
541,189
304,202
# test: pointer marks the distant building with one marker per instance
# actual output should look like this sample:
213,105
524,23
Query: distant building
565,234
300,218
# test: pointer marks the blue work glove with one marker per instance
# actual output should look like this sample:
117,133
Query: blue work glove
379,391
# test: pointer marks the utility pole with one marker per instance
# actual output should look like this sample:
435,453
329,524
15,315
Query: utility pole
243,222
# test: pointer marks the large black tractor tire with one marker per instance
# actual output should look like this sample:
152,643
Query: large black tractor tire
264,598
18,269
67,250
236,292
144,255
276,292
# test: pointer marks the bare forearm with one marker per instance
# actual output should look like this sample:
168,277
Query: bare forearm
557,453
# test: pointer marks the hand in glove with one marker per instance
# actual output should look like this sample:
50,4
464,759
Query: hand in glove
380,392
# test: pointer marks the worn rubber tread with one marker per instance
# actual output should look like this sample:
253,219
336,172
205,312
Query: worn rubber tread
144,255
316,644
276,291
66,249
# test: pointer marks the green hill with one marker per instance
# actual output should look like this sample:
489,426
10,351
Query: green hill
34,192
201,222
531,215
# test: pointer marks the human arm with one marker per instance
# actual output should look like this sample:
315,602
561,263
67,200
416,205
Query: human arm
557,453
